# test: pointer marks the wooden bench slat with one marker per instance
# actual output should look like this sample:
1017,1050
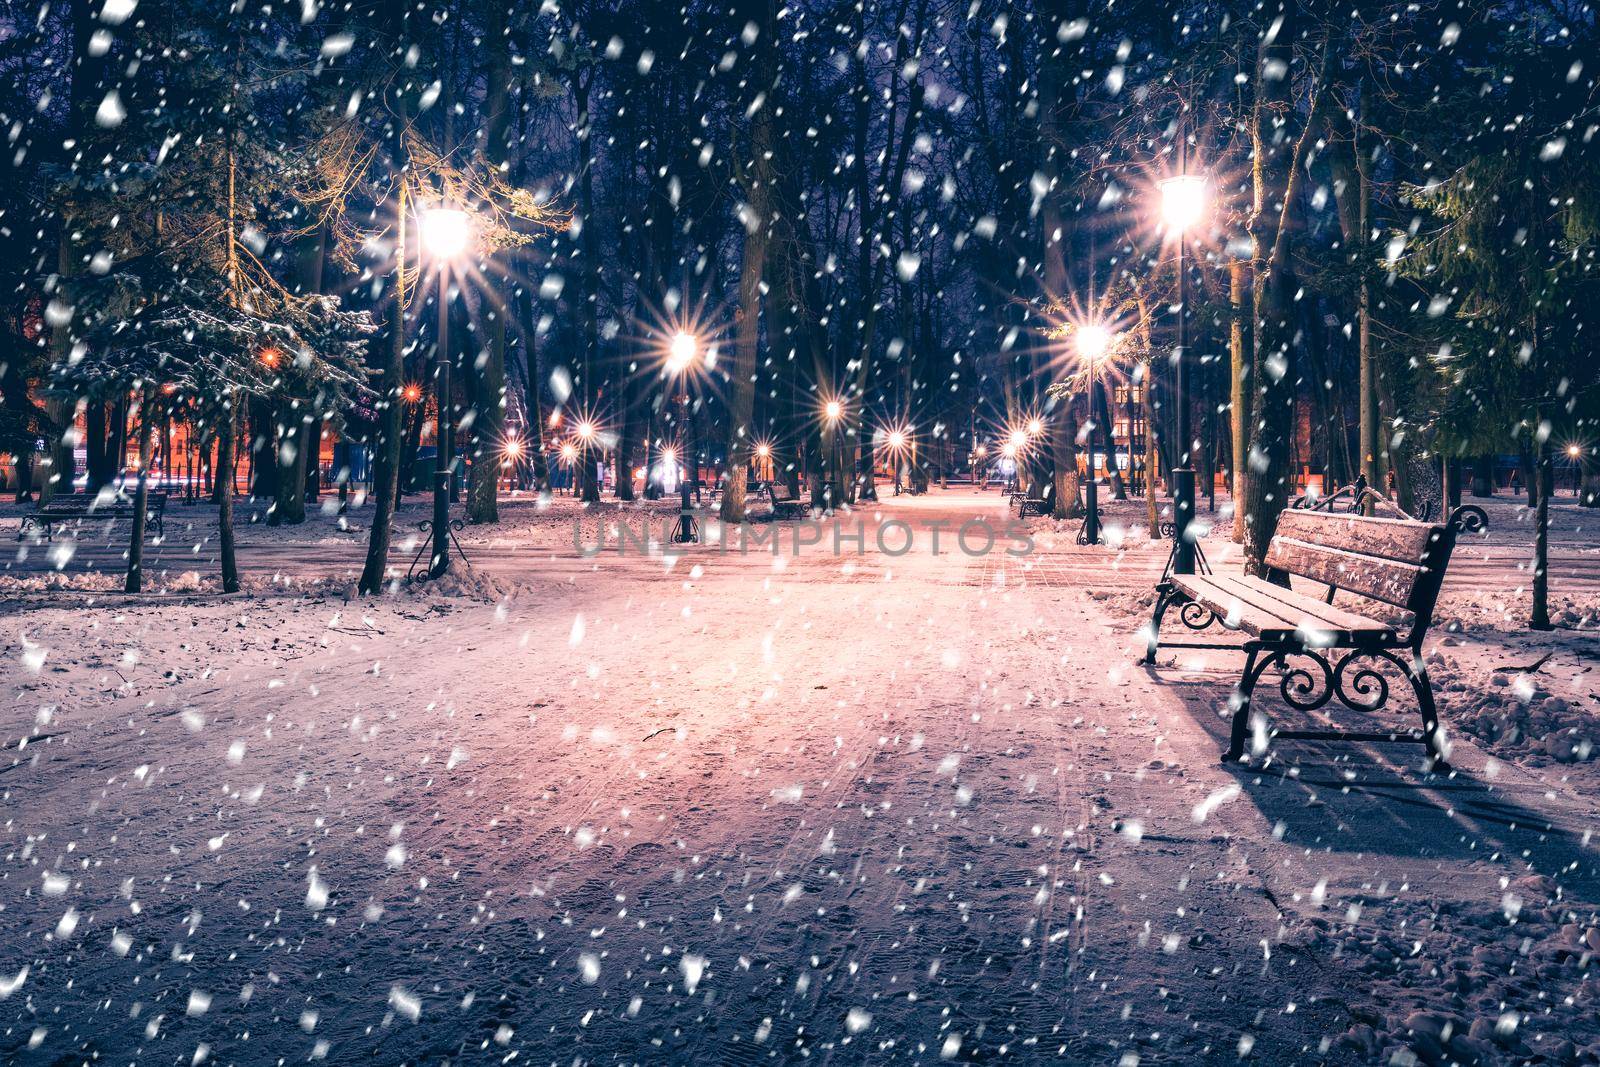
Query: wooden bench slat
1300,608
1401,540
1261,613
1381,579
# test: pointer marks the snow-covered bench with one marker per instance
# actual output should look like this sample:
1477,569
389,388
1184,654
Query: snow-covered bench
1384,563
786,506
1025,503
64,510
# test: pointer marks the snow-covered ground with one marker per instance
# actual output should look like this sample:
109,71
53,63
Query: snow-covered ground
743,806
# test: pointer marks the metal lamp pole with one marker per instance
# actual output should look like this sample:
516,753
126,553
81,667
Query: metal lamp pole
1091,522
685,517
1183,202
440,564
1183,474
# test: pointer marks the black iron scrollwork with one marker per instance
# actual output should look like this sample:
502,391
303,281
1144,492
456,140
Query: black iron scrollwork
1469,518
1300,688
1366,689
1196,616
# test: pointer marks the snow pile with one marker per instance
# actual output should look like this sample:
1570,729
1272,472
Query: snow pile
1501,981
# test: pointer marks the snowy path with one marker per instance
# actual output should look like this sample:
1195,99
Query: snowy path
886,809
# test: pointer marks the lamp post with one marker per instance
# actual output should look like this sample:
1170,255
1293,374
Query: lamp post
832,412
1182,204
1574,455
896,440
1094,341
446,234
682,351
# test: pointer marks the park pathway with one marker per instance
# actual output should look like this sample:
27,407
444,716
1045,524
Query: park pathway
725,809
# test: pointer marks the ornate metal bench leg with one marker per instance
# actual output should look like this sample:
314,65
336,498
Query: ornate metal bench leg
1165,595
1240,702
1417,674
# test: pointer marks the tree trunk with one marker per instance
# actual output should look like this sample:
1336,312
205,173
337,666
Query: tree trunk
589,254
1544,475
1119,490
1152,510
1530,478
533,394
1483,476
225,464
758,175
1238,395
386,444
141,500
1272,369
489,420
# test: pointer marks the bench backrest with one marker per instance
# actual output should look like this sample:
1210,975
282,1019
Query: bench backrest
1397,561
75,502
787,497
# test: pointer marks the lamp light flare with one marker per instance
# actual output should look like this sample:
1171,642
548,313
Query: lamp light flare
411,393
897,439
513,449
764,450
681,351
446,232
1094,341
1017,441
1035,427
586,430
569,451
833,409
1183,201
1574,451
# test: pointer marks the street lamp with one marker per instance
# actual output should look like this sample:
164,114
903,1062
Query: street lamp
1575,453
764,462
682,351
446,235
1094,342
1183,204
832,412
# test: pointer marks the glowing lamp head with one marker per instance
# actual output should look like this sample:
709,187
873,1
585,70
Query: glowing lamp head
1010,449
446,232
681,351
982,450
764,451
555,418
1035,427
270,357
1094,341
1183,201
669,454
1574,451
833,409
411,393
513,449
569,451
1017,441
586,431
897,439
